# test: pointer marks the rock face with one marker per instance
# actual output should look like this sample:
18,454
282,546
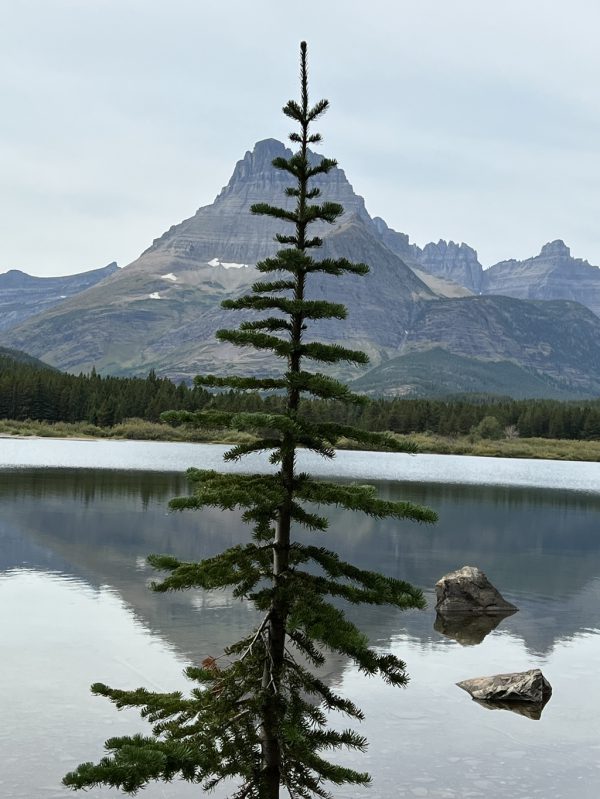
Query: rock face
451,261
398,243
226,230
468,591
448,269
521,686
552,275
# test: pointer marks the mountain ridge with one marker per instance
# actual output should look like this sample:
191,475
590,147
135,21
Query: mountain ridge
23,295
162,310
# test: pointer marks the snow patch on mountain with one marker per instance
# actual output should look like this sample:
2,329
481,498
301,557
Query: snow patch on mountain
227,264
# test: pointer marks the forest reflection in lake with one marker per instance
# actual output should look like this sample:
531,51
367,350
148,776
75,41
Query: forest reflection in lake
75,609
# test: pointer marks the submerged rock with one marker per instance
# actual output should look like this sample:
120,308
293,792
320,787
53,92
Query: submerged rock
521,686
468,629
468,590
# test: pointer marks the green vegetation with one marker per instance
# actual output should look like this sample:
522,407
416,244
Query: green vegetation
535,448
141,430
10,356
259,713
437,372
131,429
31,391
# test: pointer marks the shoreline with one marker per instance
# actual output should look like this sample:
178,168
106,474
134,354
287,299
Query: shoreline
427,443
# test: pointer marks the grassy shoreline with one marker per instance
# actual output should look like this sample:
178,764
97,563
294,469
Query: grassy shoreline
139,430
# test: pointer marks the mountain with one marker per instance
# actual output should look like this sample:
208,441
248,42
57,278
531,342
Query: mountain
439,272
226,232
162,311
22,295
450,261
552,275
455,266
9,356
438,373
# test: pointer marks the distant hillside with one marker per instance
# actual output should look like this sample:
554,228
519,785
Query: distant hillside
438,373
23,295
9,356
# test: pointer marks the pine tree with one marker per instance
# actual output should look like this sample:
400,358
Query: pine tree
259,713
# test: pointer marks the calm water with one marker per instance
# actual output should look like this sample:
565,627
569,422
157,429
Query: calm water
75,609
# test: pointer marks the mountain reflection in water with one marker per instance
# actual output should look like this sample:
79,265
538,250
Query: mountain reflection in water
541,548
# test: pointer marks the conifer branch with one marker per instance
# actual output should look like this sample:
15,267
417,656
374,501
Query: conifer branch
309,309
261,341
241,383
337,267
270,210
325,387
332,353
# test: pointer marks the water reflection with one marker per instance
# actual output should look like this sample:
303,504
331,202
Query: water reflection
529,710
73,579
59,635
468,629
540,548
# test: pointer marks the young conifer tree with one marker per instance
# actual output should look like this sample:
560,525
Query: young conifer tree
259,713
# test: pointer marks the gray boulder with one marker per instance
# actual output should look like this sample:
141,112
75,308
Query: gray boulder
521,686
468,591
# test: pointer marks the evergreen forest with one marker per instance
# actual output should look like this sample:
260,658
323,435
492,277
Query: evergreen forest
31,392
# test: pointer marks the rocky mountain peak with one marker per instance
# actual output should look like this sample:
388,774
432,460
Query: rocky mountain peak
449,249
398,243
255,173
452,261
555,249
256,164
228,232
552,275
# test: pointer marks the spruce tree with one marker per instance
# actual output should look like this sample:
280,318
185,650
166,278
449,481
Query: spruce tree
259,714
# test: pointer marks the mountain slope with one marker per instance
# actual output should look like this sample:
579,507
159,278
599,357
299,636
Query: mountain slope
559,339
22,295
162,310
141,319
551,275
437,372
494,345
9,356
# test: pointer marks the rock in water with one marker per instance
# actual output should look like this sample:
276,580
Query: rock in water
468,590
520,686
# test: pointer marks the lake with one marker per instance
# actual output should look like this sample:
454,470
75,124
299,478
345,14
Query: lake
78,519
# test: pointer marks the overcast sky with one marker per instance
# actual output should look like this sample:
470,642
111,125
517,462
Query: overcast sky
469,120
